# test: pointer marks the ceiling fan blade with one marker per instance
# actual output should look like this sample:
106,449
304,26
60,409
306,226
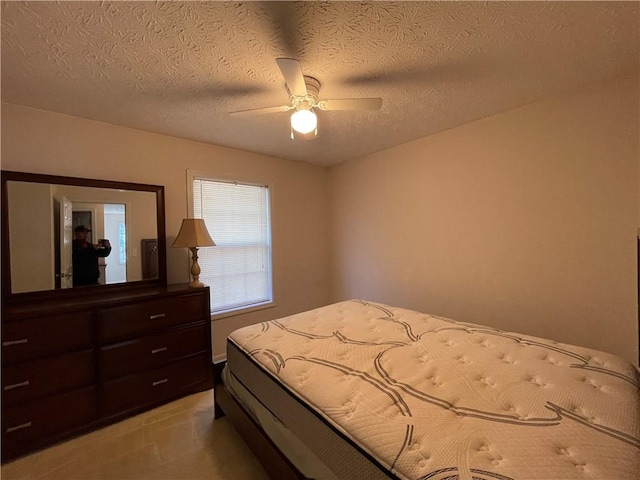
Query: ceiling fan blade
292,73
261,111
351,104
285,19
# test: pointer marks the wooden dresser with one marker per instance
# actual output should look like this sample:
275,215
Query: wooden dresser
72,364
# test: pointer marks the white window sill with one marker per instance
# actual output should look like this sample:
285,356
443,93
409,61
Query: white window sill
242,311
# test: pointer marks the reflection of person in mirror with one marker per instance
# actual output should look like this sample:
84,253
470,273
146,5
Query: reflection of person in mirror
85,257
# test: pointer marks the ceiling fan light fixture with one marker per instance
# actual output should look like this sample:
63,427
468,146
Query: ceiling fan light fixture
303,95
304,121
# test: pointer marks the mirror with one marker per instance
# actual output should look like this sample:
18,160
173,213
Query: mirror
64,233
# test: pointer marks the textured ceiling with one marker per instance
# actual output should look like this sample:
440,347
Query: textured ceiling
178,68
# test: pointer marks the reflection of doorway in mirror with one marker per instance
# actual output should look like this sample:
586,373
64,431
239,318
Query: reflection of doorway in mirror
64,243
84,217
90,215
116,232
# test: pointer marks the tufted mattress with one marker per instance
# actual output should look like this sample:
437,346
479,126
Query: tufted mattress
377,392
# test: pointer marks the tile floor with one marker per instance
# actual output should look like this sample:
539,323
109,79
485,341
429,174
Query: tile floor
178,440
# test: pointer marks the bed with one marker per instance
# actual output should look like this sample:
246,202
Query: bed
365,390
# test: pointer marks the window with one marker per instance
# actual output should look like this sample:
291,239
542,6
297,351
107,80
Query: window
122,239
238,268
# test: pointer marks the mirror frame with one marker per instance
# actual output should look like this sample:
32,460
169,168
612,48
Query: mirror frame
7,176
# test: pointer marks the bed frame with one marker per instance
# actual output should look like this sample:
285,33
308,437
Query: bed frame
272,459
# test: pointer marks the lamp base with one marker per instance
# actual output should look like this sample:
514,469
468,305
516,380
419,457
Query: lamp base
195,269
196,284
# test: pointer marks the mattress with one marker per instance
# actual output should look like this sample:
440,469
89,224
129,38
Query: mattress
300,455
389,392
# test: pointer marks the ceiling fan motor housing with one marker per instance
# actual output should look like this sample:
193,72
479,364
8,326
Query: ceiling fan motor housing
310,99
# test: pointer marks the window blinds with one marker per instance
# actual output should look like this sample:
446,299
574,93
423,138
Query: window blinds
238,268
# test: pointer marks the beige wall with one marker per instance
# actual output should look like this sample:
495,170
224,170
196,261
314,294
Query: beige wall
525,221
46,142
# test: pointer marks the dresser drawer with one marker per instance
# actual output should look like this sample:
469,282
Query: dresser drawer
120,323
31,380
153,386
152,351
34,422
37,337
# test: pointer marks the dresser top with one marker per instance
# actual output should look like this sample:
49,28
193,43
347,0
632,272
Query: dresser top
28,307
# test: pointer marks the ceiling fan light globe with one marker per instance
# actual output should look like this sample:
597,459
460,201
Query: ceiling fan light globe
304,121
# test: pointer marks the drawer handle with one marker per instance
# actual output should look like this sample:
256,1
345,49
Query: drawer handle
16,385
159,315
158,350
19,427
160,382
15,342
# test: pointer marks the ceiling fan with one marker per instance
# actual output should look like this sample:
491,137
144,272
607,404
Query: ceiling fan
303,93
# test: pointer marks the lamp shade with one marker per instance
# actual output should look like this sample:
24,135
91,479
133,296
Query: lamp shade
193,233
304,121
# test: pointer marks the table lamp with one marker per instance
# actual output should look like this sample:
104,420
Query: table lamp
193,234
